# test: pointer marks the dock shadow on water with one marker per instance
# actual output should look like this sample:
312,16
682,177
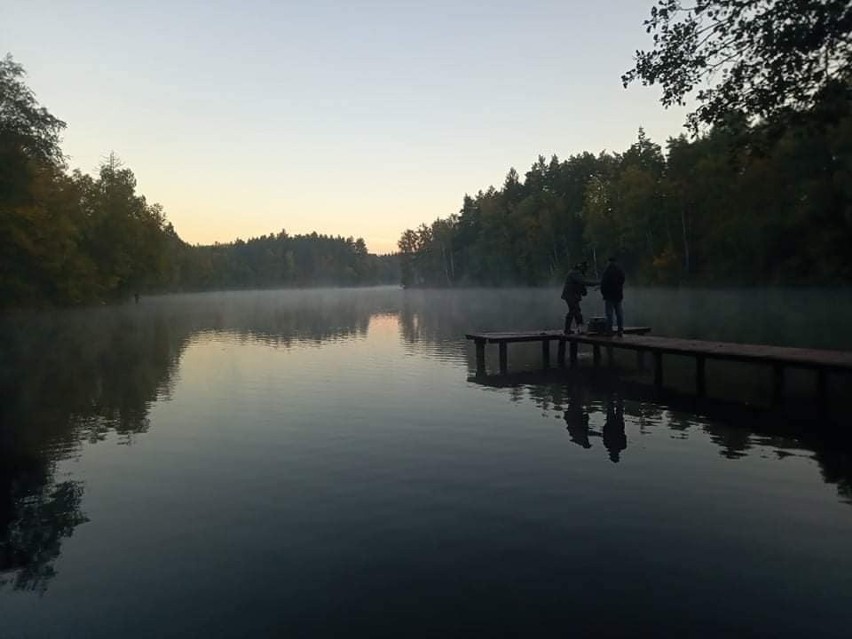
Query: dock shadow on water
320,463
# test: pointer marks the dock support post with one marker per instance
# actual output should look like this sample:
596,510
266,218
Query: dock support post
480,357
596,350
560,354
640,359
658,370
573,353
504,358
610,356
777,384
700,377
545,353
822,393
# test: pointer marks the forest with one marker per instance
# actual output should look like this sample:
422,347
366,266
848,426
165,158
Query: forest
761,193
739,204
68,238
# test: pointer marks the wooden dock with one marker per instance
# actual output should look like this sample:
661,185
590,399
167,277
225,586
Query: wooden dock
822,362
503,339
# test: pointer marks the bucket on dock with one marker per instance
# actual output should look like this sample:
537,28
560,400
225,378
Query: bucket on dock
597,325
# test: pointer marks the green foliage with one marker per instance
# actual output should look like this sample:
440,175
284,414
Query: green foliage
29,135
76,239
70,238
770,59
284,260
733,206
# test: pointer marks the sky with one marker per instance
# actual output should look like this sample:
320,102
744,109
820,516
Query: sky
353,118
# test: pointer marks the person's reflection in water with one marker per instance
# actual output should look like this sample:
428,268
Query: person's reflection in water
614,437
577,420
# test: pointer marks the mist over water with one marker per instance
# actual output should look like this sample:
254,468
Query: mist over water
321,462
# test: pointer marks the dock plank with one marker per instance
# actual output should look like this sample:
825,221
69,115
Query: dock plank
636,338
821,362
765,353
496,337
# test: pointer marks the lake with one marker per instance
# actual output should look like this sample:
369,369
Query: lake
324,463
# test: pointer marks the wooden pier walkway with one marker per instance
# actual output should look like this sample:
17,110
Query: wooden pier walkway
822,362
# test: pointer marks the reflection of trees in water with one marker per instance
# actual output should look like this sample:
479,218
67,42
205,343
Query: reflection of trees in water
733,443
35,516
586,399
76,376
435,321
439,319
65,379
836,468
79,377
284,318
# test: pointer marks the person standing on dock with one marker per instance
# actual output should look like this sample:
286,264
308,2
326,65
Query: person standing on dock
574,291
612,289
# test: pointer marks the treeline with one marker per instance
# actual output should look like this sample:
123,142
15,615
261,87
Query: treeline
284,260
739,205
71,238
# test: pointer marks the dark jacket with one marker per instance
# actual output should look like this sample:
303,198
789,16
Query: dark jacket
612,283
575,286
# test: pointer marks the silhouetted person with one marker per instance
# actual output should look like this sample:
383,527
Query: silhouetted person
577,424
574,291
612,289
577,418
136,297
614,437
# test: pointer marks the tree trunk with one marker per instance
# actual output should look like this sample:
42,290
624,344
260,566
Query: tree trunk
445,264
685,239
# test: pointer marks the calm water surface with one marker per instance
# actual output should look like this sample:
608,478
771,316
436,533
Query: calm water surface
322,463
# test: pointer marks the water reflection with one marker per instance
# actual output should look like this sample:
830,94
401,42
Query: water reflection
36,514
76,376
81,376
577,418
66,379
595,405
614,437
